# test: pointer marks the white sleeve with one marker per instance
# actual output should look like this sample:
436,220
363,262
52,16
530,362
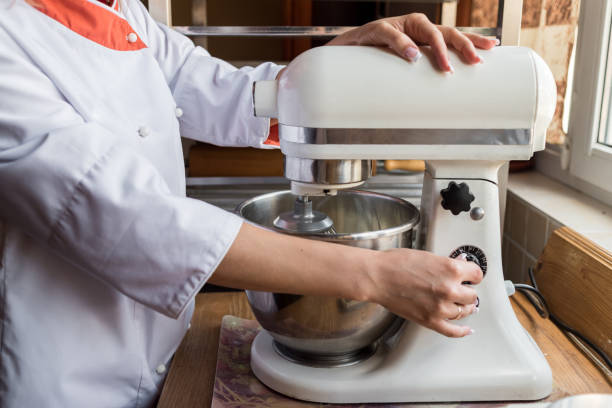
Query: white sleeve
73,187
215,96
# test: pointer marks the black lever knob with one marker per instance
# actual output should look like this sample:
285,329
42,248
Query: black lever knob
456,198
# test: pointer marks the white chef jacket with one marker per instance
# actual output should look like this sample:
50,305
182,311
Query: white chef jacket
101,253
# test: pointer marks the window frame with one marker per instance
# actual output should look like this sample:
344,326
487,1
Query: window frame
590,160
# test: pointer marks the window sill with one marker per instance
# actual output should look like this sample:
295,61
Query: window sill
548,163
563,206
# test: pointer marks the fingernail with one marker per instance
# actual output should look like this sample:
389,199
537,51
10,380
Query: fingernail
497,41
451,70
476,309
471,331
480,60
413,54
462,256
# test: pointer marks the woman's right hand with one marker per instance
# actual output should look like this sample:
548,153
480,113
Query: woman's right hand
425,288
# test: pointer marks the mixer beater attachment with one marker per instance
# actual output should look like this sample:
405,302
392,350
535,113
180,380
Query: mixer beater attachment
303,220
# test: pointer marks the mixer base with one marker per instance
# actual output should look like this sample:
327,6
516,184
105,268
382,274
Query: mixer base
322,360
416,366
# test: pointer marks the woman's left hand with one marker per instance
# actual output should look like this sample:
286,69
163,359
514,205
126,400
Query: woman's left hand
403,33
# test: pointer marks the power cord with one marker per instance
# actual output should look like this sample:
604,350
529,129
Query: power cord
536,298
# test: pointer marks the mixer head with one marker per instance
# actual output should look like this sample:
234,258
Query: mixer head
303,220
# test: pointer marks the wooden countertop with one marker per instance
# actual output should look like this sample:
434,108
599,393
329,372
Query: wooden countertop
192,373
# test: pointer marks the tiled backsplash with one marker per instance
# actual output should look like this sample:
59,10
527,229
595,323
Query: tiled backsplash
526,231
536,206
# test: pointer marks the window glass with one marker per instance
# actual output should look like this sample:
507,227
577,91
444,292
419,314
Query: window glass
605,129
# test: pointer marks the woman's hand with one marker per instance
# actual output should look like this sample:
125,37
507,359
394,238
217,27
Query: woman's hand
426,288
403,33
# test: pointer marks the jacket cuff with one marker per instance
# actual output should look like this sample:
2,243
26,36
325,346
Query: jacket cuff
225,232
262,138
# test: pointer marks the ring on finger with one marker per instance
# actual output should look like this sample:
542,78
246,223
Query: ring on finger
459,312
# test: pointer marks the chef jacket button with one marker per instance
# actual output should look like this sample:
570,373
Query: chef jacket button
160,369
132,37
144,131
178,112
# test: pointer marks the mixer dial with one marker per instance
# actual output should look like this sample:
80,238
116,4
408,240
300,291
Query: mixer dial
456,197
473,254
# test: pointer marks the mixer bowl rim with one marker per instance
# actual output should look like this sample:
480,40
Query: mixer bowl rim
341,236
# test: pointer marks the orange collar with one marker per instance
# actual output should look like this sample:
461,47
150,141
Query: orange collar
94,22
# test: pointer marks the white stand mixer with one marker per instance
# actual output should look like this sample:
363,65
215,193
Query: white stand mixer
340,107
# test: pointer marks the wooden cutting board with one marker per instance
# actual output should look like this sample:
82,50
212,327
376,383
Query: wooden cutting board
575,276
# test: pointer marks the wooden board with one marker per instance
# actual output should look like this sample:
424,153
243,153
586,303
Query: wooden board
213,161
191,376
296,13
575,277
192,372
408,165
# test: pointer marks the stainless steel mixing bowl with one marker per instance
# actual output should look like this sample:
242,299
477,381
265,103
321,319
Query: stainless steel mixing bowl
325,331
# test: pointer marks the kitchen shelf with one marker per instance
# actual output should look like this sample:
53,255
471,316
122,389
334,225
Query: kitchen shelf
293,31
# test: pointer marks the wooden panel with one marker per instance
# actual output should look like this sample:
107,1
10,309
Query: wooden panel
191,377
464,12
408,165
575,276
213,161
296,13
245,13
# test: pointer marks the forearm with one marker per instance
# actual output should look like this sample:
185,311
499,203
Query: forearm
416,285
264,260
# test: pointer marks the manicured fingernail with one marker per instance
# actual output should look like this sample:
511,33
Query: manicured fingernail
462,256
451,70
471,332
413,54
480,60
497,41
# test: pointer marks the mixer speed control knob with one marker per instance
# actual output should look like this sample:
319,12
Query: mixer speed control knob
472,254
456,198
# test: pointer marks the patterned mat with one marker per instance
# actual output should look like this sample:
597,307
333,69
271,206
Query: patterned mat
237,387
